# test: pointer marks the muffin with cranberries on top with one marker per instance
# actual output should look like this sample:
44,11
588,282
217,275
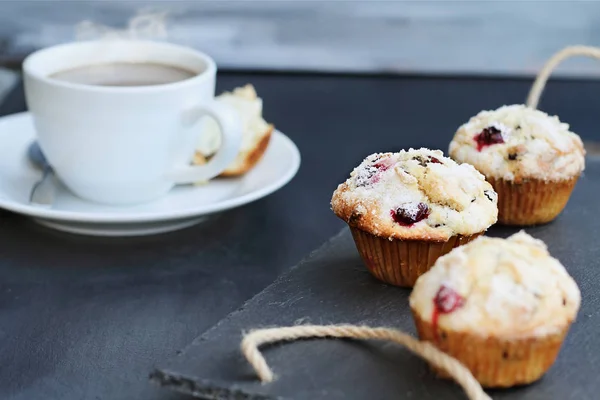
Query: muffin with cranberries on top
406,209
502,307
532,160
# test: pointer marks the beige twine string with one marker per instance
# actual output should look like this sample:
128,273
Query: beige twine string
254,339
542,78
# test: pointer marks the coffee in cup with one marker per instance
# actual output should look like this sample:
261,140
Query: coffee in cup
118,120
124,74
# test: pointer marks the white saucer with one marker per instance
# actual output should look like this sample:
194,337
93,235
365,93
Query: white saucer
182,207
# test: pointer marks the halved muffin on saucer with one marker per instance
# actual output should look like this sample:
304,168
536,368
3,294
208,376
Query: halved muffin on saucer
256,135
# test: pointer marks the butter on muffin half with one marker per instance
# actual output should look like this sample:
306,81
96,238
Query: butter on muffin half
502,307
408,208
532,159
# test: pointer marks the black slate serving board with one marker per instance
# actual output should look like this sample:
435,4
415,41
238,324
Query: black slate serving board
332,286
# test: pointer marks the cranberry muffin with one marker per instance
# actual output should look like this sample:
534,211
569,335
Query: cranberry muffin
406,209
502,307
256,132
532,160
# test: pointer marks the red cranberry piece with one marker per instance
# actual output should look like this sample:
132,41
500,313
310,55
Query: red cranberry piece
434,160
447,300
383,165
371,174
410,216
487,137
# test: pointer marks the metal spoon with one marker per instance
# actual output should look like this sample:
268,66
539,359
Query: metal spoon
42,192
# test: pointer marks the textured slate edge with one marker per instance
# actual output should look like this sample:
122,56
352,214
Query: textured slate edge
246,392
208,390
202,389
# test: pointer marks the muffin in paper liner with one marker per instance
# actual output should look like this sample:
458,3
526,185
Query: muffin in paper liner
532,201
401,262
532,159
495,362
408,208
502,307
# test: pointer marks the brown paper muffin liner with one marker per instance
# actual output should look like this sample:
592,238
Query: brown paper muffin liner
495,362
401,262
531,202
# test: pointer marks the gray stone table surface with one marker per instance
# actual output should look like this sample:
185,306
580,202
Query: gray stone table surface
89,318
332,287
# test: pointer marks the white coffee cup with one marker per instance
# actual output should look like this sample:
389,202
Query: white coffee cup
126,144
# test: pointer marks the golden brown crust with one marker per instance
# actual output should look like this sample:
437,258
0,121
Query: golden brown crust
248,159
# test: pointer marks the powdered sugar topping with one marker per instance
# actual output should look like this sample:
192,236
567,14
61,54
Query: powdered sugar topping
416,192
532,145
510,286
